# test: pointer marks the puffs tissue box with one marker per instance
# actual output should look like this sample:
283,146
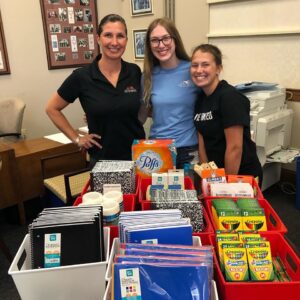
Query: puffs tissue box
153,156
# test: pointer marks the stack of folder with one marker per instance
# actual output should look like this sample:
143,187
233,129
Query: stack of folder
67,236
142,271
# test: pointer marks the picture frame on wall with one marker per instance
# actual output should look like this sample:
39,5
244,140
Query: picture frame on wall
4,64
139,42
70,30
141,7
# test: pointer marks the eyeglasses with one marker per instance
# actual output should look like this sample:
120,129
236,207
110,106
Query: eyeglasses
166,40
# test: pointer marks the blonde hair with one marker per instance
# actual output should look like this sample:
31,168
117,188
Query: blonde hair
150,60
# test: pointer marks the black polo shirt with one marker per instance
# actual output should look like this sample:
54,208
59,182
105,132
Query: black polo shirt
112,112
224,108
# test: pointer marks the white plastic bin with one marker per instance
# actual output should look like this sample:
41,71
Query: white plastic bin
213,295
82,281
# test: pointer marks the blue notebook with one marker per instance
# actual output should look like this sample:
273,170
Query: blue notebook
160,282
176,235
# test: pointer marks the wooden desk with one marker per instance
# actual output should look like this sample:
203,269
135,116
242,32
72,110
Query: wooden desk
21,167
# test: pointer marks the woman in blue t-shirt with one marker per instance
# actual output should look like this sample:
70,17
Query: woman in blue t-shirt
222,117
169,92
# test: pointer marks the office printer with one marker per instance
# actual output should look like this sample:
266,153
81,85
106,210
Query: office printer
271,125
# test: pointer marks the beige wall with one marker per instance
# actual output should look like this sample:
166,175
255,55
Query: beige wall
266,58
260,41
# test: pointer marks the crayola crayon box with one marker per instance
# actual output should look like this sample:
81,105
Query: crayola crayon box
260,261
153,156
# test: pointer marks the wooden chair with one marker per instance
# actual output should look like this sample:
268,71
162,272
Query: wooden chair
11,118
64,189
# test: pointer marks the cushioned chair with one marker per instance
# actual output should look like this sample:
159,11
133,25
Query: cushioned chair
63,189
11,118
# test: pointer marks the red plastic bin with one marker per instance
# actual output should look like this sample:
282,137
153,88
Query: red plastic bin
145,182
274,223
263,290
258,195
135,195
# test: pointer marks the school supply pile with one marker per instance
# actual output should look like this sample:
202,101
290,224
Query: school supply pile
67,236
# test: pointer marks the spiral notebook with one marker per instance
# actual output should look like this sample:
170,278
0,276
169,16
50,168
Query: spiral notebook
60,239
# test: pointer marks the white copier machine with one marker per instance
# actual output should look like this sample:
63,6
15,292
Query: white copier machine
271,125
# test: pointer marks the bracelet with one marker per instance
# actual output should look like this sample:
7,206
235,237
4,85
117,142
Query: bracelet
76,141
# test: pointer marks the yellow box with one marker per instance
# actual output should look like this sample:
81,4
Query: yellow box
153,156
235,262
260,261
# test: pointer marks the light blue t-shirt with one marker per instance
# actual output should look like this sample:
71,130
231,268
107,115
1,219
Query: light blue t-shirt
173,100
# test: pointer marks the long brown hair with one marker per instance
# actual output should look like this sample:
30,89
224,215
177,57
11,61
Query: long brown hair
150,60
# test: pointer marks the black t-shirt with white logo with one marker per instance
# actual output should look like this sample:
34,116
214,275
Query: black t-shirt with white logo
224,108
111,112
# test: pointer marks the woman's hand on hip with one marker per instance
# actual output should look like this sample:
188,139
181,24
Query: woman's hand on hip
89,140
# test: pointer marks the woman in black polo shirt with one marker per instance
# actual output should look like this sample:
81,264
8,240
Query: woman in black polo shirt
109,92
222,117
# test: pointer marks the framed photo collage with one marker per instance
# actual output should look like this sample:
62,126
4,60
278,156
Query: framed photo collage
70,29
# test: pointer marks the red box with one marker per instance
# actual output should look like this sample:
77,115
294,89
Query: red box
87,188
258,194
274,223
145,182
263,290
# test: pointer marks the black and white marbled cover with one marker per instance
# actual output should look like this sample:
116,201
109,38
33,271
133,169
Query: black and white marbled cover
114,171
189,209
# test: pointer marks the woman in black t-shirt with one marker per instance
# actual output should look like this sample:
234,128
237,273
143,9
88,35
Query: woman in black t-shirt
109,92
222,117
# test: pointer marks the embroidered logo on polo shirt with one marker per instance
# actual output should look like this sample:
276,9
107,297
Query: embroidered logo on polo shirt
186,83
130,89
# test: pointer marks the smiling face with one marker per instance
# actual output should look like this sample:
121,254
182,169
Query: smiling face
204,71
113,40
163,47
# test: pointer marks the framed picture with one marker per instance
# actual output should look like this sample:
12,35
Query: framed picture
141,7
139,42
4,65
70,29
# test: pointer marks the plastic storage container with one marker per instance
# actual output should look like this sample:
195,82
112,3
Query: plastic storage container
274,223
263,290
82,281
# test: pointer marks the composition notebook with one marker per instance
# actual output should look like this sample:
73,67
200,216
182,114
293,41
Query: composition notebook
62,237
